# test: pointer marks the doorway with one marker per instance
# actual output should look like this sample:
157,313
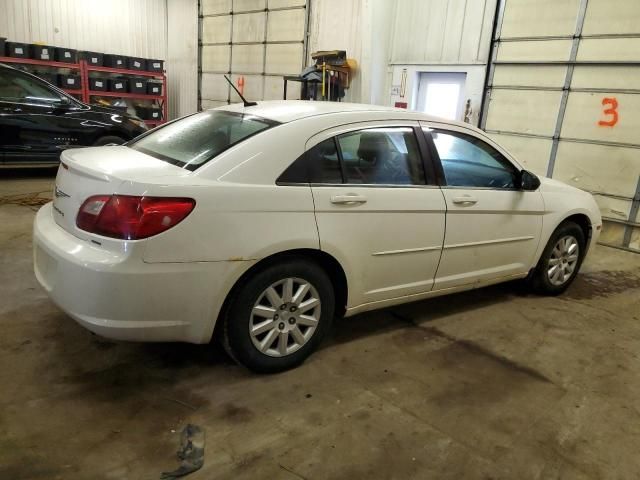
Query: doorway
441,94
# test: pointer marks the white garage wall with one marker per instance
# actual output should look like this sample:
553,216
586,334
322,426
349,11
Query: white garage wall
182,57
338,25
441,36
124,27
558,66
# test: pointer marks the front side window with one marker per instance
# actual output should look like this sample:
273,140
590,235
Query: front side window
17,87
387,156
193,141
467,161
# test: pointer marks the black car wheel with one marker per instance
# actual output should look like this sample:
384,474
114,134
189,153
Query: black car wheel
279,316
560,261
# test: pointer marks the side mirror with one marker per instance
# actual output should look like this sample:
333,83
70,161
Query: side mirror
62,104
529,181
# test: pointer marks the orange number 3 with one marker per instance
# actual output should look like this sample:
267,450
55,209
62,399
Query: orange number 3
612,103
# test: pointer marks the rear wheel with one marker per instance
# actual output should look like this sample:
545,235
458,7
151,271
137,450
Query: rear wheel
560,261
279,316
109,139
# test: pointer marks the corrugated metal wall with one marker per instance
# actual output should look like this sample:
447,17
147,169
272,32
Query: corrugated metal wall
435,36
564,96
442,31
182,57
126,27
338,25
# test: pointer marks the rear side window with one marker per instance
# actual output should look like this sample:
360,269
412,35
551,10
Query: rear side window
319,164
193,141
374,156
385,156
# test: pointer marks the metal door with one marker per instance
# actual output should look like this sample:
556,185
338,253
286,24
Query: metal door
563,97
258,40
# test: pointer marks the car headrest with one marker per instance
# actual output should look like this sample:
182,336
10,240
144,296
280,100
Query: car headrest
372,146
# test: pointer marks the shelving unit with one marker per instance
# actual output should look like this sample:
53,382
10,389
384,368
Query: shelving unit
86,95
161,99
42,63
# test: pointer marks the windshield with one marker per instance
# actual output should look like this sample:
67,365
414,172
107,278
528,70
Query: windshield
16,86
193,141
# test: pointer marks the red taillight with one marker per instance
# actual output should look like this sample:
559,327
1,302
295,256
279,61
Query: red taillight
132,218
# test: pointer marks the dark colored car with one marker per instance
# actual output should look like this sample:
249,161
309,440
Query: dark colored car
38,121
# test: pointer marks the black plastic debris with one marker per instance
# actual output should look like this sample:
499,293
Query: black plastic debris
191,453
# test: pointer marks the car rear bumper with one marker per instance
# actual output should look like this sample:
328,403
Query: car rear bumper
117,295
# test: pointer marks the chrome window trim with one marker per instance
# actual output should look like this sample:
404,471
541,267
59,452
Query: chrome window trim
353,185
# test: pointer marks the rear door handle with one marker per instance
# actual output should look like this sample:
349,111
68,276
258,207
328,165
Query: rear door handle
349,199
465,200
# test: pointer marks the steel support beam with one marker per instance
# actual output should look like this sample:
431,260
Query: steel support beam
582,10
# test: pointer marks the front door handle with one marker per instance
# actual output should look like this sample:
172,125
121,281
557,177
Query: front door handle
349,199
465,200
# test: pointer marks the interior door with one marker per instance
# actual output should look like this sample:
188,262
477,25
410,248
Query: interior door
376,211
493,227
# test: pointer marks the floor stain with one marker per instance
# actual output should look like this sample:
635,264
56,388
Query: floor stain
236,413
602,284
477,349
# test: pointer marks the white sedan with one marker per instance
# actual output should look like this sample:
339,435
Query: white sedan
267,221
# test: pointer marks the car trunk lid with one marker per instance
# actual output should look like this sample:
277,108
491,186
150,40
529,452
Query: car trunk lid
86,172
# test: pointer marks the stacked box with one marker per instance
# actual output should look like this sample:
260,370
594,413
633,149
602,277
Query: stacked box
66,55
154,88
118,85
94,59
115,61
146,112
138,85
18,50
154,66
43,52
135,63
71,82
98,84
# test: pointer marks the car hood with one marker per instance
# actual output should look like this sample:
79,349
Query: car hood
551,185
112,111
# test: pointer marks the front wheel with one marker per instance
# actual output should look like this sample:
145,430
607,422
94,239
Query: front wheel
279,316
560,261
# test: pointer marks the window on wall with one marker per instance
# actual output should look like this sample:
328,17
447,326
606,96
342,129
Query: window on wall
467,161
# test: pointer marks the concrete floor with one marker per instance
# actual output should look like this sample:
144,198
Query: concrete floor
490,384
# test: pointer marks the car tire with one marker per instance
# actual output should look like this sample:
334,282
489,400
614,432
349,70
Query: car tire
281,335
109,139
560,263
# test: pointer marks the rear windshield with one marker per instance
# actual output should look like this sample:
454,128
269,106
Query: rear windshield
193,141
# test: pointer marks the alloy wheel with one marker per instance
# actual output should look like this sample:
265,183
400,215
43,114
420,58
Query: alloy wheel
563,260
284,317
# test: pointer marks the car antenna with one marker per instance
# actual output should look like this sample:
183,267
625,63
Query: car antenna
244,100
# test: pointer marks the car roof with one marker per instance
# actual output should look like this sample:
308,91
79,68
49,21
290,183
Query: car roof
285,111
